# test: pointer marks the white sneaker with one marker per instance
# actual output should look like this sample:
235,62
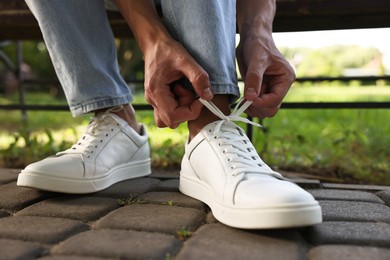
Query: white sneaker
109,152
222,168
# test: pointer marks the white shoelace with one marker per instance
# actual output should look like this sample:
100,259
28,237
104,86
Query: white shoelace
240,152
97,131
235,115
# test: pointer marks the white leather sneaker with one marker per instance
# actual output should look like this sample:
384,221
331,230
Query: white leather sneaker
109,152
222,168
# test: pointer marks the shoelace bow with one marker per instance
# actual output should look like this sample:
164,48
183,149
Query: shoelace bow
235,115
95,134
241,154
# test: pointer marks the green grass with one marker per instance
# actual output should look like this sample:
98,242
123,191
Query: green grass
345,144
334,94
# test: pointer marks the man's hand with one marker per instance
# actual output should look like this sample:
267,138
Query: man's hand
266,74
166,63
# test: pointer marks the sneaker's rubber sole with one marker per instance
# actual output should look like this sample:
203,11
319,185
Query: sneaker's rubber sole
82,186
287,216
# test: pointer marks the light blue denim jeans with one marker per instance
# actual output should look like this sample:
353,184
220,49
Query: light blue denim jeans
82,48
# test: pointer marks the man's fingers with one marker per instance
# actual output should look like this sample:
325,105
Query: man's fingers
253,81
180,114
170,112
199,80
184,96
157,119
252,88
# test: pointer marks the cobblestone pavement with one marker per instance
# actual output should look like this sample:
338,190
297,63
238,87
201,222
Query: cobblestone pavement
147,218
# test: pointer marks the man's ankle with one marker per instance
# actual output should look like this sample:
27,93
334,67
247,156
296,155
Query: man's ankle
127,113
206,116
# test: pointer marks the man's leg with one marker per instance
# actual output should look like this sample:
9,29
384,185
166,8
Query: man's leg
220,166
114,147
81,45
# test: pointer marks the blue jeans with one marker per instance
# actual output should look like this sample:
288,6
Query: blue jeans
82,48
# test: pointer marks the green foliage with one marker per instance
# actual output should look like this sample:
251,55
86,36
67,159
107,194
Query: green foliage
345,144
130,200
35,55
329,61
183,233
167,154
130,59
171,203
32,149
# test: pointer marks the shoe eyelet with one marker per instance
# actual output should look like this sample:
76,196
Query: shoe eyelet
112,130
223,151
215,137
101,141
106,134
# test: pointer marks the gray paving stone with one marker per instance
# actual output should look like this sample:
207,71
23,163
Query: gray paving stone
345,252
162,174
15,249
210,219
349,195
120,244
370,188
8,175
168,185
217,241
3,213
16,198
308,184
351,233
153,218
174,198
73,257
72,207
354,211
128,188
39,229
385,196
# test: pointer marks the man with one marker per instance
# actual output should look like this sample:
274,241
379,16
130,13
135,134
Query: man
190,76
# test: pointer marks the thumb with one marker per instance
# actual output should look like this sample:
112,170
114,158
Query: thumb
199,80
253,82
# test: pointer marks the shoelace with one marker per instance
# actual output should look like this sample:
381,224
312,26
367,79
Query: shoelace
240,152
98,130
235,115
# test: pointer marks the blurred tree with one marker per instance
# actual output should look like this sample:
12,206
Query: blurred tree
36,57
130,59
331,60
